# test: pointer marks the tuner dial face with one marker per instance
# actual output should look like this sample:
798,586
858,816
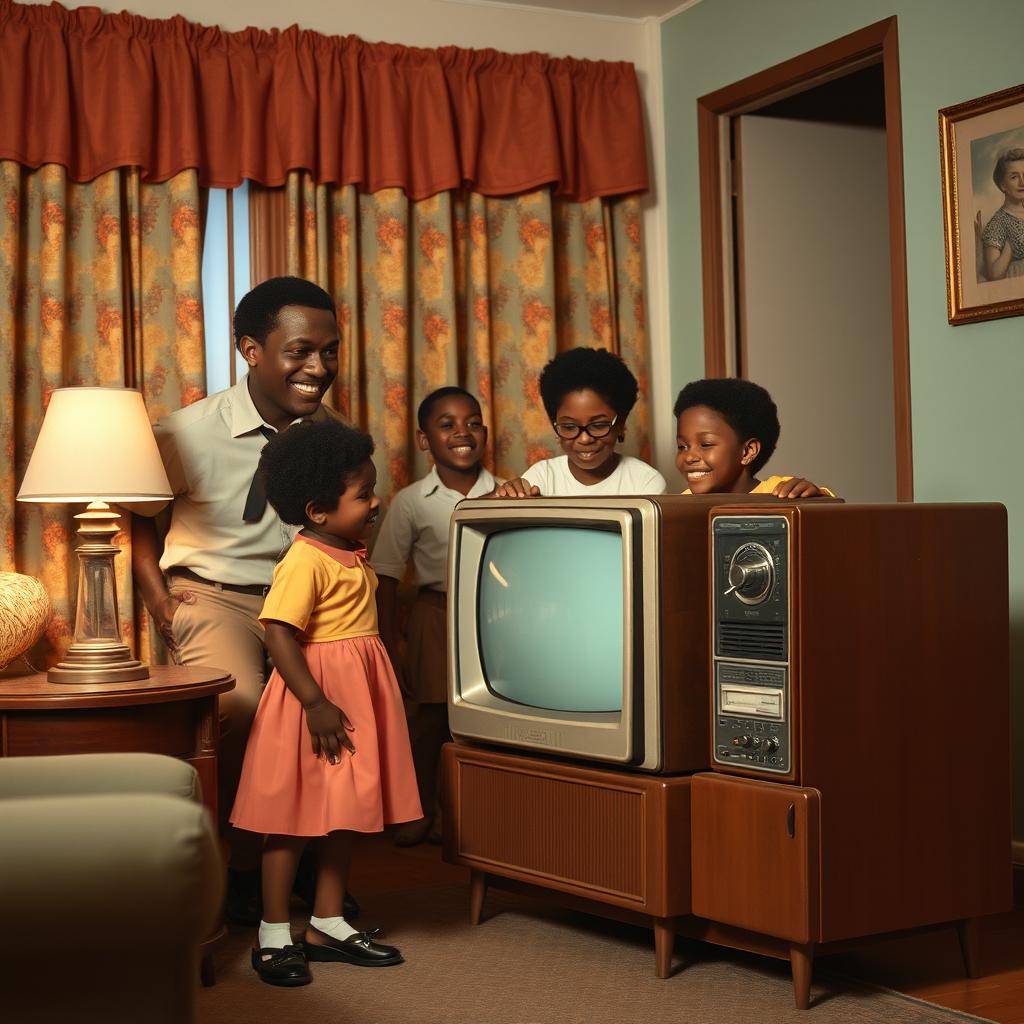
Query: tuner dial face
751,573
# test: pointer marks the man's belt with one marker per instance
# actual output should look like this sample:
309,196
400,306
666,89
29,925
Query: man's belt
256,589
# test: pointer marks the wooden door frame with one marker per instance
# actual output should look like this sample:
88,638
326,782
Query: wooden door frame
875,44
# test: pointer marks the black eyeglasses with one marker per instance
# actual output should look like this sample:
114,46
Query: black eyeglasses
597,429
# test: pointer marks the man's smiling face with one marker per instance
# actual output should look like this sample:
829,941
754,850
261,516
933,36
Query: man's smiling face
291,371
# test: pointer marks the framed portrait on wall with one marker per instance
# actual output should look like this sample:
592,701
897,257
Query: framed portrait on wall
982,153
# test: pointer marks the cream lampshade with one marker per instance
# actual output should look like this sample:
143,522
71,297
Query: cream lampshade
96,445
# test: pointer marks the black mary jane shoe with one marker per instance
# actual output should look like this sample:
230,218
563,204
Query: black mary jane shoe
358,949
285,966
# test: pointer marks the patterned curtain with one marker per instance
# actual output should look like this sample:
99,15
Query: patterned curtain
461,288
99,284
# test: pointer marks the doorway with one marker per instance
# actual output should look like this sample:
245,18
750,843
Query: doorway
804,258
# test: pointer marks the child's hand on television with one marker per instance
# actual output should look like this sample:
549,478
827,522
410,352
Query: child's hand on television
518,488
798,487
329,730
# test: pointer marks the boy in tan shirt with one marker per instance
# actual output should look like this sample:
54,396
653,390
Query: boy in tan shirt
415,529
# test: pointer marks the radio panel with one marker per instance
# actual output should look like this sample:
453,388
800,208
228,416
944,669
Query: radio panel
750,581
752,716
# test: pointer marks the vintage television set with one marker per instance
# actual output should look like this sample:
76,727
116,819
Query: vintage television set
578,628
859,726
851,777
578,699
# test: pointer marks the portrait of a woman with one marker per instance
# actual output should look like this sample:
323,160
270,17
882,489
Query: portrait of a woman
1002,238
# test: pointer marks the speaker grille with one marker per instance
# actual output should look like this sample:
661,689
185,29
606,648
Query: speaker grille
766,640
554,829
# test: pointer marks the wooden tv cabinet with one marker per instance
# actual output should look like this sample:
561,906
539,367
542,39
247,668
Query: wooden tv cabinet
761,881
731,861
890,812
618,841
893,811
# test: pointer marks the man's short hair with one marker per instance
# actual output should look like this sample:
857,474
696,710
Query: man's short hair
256,313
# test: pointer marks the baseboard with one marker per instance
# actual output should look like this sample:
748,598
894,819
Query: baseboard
1018,873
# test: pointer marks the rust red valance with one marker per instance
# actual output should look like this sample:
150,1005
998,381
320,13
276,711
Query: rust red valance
93,91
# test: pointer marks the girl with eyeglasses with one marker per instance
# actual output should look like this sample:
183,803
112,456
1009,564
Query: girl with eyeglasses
588,394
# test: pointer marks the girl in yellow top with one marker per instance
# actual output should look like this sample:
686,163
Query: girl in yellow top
726,430
329,753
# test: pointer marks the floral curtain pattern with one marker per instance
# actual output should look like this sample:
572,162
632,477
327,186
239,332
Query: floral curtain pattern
462,288
99,285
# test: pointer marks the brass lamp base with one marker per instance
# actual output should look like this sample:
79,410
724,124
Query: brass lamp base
85,664
98,654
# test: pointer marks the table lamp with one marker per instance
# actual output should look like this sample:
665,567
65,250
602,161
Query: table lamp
96,445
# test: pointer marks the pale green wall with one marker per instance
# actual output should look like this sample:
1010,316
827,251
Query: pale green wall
966,382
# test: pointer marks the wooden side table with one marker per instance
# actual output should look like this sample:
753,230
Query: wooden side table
172,712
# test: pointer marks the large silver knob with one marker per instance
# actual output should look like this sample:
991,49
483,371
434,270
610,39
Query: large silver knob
751,573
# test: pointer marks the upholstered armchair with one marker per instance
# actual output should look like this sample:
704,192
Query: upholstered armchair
110,878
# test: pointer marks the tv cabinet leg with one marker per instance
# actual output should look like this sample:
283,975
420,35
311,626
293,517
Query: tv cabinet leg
664,943
801,960
477,894
967,933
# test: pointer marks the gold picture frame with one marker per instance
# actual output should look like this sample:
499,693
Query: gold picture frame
984,266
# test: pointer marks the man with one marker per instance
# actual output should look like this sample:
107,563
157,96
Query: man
205,585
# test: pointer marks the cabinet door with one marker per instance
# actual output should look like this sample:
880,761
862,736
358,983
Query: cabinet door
754,849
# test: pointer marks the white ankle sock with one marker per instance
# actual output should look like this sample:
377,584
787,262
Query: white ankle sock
337,927
275,936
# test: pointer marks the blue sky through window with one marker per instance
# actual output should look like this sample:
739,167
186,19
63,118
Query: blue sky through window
218,304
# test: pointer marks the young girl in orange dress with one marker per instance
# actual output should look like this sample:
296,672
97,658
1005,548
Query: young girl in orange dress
328,755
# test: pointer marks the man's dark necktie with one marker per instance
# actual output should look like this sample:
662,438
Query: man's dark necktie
256,499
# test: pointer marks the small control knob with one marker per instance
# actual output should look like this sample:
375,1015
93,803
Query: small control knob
751,573
741,741
771,744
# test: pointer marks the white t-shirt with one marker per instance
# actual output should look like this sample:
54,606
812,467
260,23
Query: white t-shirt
416,526
630,476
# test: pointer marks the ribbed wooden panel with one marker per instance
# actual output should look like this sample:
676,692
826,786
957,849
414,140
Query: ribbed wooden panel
554,829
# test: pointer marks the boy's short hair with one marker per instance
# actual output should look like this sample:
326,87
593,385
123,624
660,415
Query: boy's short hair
256,313
588,369
745,406
427,405
311,462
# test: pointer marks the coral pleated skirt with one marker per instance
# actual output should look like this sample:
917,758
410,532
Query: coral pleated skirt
286,790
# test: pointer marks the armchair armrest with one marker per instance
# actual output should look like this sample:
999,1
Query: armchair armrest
82,774
125,869
106,900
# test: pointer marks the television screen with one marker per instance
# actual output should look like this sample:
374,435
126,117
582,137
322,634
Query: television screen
578,627
550,617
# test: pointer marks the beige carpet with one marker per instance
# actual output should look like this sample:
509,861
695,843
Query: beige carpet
530,964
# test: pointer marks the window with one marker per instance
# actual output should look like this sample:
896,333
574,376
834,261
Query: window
225,280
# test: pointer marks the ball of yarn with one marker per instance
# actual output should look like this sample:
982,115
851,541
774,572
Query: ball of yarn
24,611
